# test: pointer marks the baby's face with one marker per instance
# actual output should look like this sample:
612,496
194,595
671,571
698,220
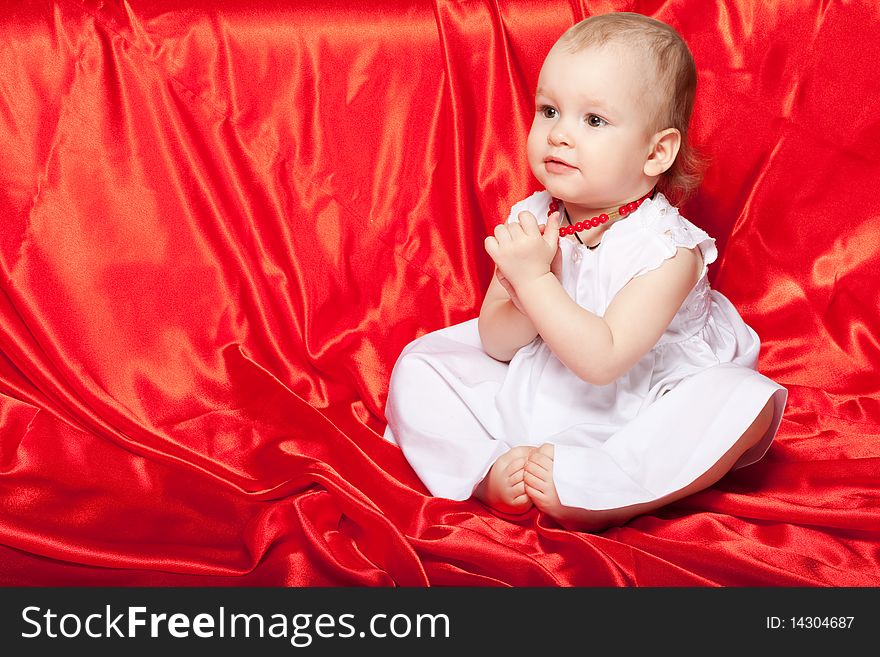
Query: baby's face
591,135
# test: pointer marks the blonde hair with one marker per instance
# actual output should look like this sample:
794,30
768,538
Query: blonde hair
674,70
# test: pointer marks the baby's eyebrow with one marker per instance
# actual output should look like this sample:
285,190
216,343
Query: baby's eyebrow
596,103
590,102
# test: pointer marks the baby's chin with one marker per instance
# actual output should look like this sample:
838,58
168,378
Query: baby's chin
547,181
563,189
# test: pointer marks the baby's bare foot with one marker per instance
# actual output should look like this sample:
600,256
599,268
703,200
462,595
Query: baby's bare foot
541,490
503,488
538,479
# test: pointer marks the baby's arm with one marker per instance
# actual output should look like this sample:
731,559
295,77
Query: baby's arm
601,349
503,328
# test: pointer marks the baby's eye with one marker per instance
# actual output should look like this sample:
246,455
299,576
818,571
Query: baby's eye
596,121
547,112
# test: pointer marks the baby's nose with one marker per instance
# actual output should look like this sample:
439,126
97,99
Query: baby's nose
560,137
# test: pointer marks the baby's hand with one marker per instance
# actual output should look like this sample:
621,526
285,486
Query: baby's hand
520,250
555,268
507,286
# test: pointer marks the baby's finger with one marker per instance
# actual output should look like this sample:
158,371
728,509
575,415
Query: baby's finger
516,470
533,482
543,226
515,230
551,230
539,464
529,223
491,246
502,233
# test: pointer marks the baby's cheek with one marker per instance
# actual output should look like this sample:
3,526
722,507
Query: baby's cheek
534,155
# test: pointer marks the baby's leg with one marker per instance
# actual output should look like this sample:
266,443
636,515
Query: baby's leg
541,490
503,488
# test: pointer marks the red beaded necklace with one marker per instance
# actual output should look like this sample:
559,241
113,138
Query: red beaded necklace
573,229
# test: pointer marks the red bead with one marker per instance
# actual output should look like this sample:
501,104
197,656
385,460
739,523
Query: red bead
579,226
632,206
623,210
554,206
603,218
594,222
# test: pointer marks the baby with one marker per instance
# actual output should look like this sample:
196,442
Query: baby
603,378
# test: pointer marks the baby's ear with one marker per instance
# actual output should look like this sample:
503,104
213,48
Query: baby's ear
664,149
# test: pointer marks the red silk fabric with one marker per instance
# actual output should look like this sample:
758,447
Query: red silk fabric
222,221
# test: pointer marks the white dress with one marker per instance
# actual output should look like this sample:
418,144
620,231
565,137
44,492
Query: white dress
454,410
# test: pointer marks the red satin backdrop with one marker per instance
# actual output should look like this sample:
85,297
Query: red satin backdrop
222,221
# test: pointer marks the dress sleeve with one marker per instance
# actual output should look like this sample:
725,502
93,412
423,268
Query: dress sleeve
664,231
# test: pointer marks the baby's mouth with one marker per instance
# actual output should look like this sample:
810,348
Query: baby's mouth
555,165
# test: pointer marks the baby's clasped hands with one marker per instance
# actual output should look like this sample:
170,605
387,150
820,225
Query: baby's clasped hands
520,250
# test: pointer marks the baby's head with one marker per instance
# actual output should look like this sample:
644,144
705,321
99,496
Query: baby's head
644,74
